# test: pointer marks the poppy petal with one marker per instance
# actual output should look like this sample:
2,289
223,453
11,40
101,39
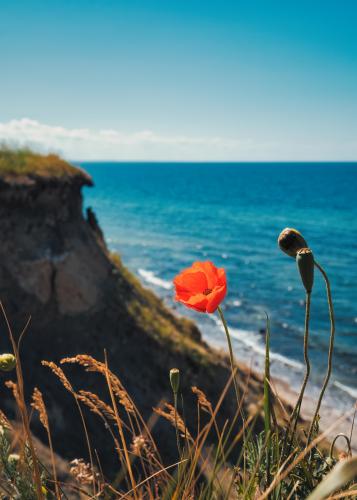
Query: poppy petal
215,298
221,273
202,287
210,272
192,280
197,302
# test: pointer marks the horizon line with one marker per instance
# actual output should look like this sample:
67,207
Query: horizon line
214,162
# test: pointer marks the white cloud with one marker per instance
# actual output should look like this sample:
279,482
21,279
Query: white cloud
88,144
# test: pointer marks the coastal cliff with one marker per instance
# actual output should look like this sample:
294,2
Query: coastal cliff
56,268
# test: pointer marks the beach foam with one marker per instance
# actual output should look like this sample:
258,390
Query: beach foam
254,342
151,278
345,388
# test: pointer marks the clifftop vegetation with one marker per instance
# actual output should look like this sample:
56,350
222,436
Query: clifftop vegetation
25,165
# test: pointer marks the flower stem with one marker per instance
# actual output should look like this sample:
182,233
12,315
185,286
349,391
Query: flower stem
176,427
178,442
296,412
330,352
231,356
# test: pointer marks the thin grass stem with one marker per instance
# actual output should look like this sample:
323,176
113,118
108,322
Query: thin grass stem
353,423
120,428
267,401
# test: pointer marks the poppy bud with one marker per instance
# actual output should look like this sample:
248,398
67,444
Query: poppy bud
175,379
290,241
305,263
7,362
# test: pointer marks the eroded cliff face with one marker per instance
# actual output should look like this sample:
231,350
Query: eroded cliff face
55,267
49,255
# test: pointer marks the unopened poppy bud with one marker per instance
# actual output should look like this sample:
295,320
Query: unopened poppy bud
291,241
175,379
7,362
305,263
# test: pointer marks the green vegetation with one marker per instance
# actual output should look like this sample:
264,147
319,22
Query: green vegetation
153,317
16,163
16,471
228,458
261,469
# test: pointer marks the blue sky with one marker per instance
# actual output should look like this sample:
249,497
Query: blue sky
181,80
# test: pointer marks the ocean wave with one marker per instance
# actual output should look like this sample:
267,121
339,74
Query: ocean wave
151,278
345,388
253,341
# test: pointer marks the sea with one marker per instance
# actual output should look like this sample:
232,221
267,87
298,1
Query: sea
161,217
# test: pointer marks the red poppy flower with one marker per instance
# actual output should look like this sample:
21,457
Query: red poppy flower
202,286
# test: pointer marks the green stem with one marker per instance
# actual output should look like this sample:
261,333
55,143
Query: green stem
176,427
348,441
330,352
296,412
231,356
267,413
177,441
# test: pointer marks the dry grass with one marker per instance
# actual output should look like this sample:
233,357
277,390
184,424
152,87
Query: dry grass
15,163
202,471
231,461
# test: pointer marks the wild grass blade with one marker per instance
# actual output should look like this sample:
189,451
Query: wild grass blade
267,401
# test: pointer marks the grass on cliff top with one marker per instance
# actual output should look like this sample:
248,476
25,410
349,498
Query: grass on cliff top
25,163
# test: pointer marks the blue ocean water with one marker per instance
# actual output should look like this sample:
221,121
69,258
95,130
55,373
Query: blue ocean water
163,216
